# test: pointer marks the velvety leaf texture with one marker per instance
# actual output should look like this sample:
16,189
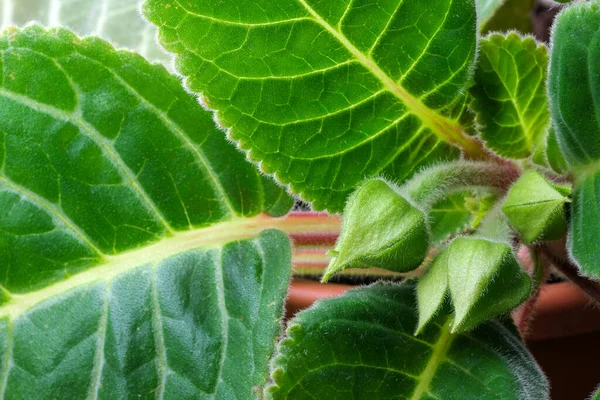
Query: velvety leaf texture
576,117
584,232
326,93
129,256
510,94
360,345
576,59
116,20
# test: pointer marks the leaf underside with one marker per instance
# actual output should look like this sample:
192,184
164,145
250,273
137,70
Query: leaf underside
361,345
509,94
129,261
324,94
116,20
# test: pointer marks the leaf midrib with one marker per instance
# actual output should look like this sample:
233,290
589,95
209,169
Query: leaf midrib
440,348
446,129
214,236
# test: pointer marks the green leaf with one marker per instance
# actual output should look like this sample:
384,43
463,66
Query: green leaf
535,208
360,346
513,15
574,83
380,229
129,261
326,94
116,20
458,212
596,395
509,94
486,10
584,228
555,158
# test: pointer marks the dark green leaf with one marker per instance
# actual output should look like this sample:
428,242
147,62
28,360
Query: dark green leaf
585,230
510,94
326,93
129,261
360,346
553,155
574,83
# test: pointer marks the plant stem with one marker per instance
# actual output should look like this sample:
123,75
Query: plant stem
591,288
436,182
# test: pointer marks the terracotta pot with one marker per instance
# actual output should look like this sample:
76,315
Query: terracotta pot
564,335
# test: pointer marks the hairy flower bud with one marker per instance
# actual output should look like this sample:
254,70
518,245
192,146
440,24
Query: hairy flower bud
482,277
380,229
535,208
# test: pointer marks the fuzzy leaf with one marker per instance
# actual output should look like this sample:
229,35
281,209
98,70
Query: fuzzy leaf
510,94
129,258
116,20
574,83
326,93
553,155
584,229
360,346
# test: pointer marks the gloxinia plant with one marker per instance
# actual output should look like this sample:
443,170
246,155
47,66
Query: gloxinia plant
143,256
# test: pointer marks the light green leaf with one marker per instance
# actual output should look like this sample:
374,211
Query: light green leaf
129,259
116,20
574,84
555,158
513,15
325,94
457,213
360,346
486,10
509,94
596,395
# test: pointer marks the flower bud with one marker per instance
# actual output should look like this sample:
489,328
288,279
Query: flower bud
536,209
380,229
485,280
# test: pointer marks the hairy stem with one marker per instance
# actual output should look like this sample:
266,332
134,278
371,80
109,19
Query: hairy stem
434,183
